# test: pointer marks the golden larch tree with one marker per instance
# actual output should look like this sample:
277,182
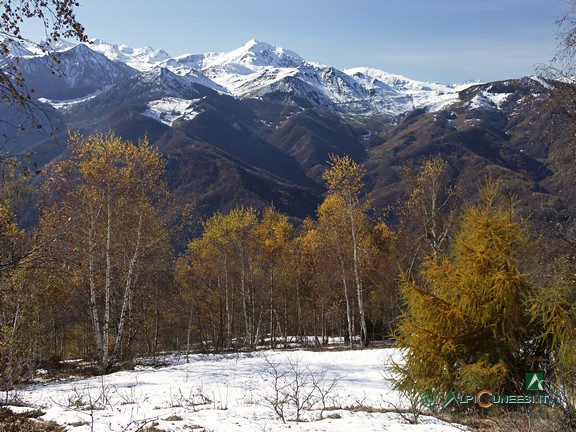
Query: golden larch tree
466,325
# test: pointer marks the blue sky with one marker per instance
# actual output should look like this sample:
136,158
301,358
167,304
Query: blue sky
430,40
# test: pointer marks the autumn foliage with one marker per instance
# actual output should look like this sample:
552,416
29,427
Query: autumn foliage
467,324
98,276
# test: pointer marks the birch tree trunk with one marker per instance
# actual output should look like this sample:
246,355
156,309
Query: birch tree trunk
96,330
105,360
358,280
128,289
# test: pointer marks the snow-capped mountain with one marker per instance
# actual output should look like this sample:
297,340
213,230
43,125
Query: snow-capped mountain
261,70
256,70
238,72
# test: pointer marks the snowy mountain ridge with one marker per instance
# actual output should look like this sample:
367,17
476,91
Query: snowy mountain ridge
264,71
143,59
258,69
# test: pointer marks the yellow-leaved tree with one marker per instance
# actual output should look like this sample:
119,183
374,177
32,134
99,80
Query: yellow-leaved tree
274,255
429,210
554,306
467,324
20,300
103,204
216,276
347,235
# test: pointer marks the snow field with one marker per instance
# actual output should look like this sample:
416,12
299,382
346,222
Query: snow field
236,392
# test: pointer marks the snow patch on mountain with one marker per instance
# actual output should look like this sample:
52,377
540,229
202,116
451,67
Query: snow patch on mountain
168,109
63,104
176,85
27,49
485,99
241,71
22,49
261,70
252,55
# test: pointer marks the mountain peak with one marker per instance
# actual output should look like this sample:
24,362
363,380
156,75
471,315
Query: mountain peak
257,53
254,44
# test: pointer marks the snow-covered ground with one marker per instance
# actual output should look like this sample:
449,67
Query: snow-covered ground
236,392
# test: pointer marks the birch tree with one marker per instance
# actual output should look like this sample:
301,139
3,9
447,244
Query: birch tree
104,202
219,270
429,209
273,237
344,181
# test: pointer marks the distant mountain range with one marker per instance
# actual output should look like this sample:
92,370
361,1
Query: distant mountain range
255,125
256,70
